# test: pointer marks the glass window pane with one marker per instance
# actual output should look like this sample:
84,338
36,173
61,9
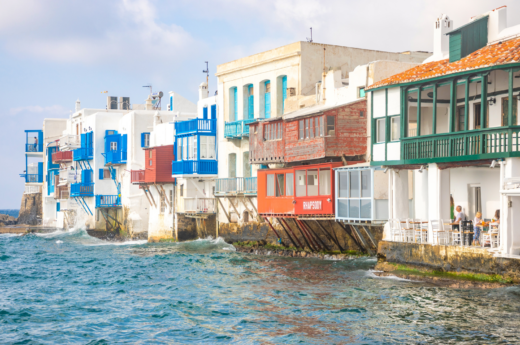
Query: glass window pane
179,149
211,147
280,185
317,126
301,185
289,184
354,184
306,128
311,128
411,104
353,208
366,209
301,129
330,125
366,184
343,208
325,182
395,130
312,182
185,148
381,131
270,185
343,184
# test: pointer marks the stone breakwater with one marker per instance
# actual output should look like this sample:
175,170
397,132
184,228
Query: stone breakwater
293,253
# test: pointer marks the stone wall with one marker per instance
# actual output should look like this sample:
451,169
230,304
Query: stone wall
449,258
186,228
255,231
31,209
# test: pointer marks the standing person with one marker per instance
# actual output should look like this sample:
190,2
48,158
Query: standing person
476,229
35,144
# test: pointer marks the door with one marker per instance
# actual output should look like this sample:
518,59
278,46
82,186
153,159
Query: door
460,118
232,165
505,111
246,166
251,103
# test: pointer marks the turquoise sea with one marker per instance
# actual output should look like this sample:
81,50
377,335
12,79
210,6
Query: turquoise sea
69,288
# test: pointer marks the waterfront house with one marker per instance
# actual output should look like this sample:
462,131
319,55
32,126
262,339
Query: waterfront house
453,122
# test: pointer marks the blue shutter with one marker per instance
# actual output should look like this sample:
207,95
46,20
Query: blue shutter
205,113
267,105
40,141
284,92
40,171
113,174
251,106
171,103
124,142
83,140
236,104
86,176
58,207
213,111
101,174
142,139
90,139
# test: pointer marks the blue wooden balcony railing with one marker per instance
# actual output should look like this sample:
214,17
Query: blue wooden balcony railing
83,154
115,157
207,167
489,143
207,126
34,147
108,201
237,129
32,178
34,140
236,185
82,189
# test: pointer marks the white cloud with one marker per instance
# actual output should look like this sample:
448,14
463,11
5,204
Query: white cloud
53,110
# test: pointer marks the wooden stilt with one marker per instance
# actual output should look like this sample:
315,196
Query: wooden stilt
296,237
348,232
312,246
303,235
361,238
331,238
369,235
267,220
287,233
165,196
312,235
223,209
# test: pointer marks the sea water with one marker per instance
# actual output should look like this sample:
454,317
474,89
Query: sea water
67,287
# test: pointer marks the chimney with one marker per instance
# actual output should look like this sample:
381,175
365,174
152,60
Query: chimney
497,22
78,106
148,103
124,103
111,102
441,42
203,91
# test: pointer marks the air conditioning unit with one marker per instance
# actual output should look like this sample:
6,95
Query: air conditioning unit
124,103
112,103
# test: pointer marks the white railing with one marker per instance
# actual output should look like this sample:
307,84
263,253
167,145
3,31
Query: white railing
68,204
32,189
197,205
67,175
70,141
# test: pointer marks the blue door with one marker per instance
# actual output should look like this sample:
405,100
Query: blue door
284,92
235,112
267,106
214,112
251,103
205,113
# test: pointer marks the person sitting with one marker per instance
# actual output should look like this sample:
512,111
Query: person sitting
476,229
496,218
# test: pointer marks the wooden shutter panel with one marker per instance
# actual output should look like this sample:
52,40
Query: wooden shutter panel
101,172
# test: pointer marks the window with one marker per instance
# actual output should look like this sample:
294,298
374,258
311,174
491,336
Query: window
267,86
145,139
316,127
355,194
301,185
163,202
312,182
361,113
179,149
280,185
312,128
207,147
301,130
192,153
380,131
150,155
476,114
184,148
270,185
321,126
181,188
306,128
106,173
171,199
289,186
325,182
395,130
113,146
232,165
361,92
330,125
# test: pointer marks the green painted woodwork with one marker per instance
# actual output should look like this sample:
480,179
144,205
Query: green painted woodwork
468,39
434,110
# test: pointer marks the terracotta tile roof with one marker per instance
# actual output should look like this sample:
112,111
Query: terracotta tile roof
492,55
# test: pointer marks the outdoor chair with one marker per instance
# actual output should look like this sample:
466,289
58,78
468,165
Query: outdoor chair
439,234
395,229
494,235
466,229
408,230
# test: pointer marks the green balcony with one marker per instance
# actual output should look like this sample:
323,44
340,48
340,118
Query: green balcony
489,143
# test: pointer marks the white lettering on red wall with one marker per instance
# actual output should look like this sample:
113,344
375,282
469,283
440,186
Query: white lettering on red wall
312,205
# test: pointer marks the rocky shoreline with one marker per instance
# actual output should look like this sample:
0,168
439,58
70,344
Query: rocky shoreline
259,250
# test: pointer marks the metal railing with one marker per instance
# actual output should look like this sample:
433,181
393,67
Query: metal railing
83,153
62,156
237,129
32,178
412,132
34,147
476,144
137,176
195,126
108,201
198,205
208,167
32,189
82,189
236,185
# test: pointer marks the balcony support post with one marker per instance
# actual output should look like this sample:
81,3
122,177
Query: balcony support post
434,110
466,105
223,209
260,219
418,134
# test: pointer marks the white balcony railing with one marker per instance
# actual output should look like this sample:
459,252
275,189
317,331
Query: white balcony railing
69,142
68,176
197,205
32,189
68,204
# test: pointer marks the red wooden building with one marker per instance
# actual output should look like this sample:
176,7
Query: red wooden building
158,166
297,191
316,134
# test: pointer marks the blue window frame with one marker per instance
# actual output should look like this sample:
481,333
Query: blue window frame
284,92
267,99
250,102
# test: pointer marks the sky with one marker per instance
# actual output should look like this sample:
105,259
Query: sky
53,52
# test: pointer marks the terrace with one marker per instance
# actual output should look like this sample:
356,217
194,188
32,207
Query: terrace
83,153
196,126
69,142
237,129
195,167
108,201
62,157
82,189
115,157
196,205
33,141
236,185
137,176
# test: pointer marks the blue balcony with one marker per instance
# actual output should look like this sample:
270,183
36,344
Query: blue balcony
108,201
83,154
32,178
115,157
195,126
236,185
82,189
200,167
237,129
34,141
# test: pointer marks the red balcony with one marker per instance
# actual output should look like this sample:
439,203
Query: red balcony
62,157
137,176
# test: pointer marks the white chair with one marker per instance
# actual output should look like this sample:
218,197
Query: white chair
408,230
395,230
439,233
485,238
456,235
494,235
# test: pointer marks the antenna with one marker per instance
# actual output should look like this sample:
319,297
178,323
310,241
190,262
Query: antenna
150,86
207,74
310,39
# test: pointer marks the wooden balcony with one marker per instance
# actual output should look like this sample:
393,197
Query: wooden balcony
62,157
137,176
237,129
195,126
195,167
108,201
